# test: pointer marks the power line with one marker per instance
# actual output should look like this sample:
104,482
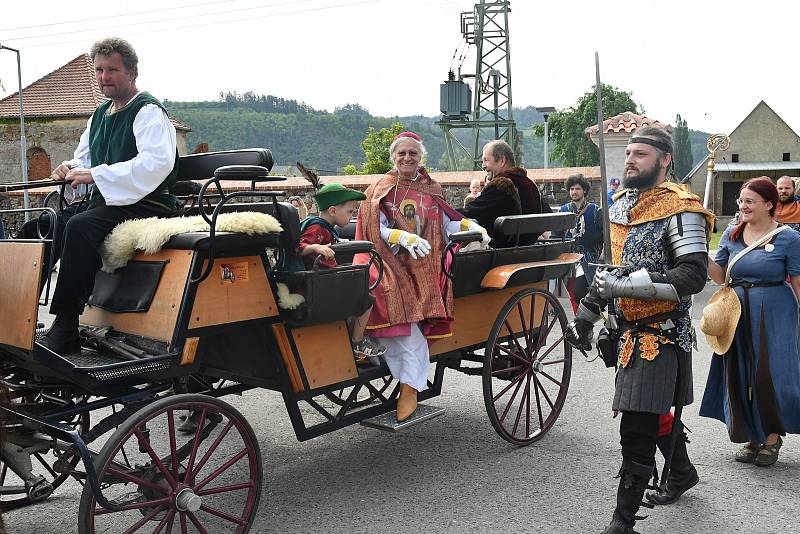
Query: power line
159,20
214,23
92,19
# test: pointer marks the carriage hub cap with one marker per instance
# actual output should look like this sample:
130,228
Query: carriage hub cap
538,366
187,501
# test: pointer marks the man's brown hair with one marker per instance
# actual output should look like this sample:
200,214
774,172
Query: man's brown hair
109,45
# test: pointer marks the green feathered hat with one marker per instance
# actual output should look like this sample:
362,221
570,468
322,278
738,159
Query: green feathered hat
334,194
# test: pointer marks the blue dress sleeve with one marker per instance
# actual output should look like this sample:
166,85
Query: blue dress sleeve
724,250
792,253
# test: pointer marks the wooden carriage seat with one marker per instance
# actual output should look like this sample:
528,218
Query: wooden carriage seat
470,268
161,279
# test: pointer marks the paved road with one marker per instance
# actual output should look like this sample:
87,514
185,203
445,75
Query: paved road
454,474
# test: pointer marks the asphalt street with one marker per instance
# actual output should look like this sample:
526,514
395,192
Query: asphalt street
454,474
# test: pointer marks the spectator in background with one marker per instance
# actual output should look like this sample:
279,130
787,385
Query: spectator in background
300,206
788,209
613,185
475,188
587,233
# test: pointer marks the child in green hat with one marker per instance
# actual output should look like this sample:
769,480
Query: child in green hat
337,205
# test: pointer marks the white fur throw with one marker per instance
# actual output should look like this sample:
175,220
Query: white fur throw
149,235
287,300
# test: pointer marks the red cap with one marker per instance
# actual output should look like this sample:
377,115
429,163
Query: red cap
412,135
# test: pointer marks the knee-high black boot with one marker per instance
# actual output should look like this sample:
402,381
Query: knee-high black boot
682,474
632,483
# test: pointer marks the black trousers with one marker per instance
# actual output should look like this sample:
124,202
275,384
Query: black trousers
81,234
637,433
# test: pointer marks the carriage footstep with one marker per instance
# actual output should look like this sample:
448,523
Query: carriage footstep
389,422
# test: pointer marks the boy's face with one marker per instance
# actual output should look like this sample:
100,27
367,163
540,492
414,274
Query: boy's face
342,213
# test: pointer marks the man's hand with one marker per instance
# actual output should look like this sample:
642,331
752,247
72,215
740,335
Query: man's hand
610,284
79,176
579,334
414,244
469,225
60,172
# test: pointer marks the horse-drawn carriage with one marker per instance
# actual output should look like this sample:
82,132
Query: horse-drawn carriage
136,415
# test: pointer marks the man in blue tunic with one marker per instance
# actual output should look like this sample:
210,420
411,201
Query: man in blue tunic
127,156
588,235
659,238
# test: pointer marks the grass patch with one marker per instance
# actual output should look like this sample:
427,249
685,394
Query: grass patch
714,243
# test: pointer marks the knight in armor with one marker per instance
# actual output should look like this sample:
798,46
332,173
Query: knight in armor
659,242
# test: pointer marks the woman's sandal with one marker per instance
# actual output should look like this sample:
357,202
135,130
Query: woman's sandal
747,454
768,454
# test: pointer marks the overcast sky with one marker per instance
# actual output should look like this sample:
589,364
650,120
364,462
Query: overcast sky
710,61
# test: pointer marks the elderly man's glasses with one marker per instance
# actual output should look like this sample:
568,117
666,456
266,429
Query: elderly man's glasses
747,201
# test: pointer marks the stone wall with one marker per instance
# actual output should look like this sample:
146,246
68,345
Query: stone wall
57,138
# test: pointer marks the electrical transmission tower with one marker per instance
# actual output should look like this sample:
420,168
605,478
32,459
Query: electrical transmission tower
490,114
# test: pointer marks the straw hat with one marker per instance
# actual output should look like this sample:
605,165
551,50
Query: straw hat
720,317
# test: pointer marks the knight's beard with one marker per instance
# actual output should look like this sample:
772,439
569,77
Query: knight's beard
646,179
787,199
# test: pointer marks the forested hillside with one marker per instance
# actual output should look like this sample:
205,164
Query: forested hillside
295,131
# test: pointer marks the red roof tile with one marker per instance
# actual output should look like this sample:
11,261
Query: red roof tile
68,91
626,122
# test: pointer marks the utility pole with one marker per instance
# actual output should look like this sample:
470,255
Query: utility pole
22,141
491,114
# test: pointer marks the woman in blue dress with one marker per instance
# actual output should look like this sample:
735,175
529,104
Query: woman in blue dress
755,388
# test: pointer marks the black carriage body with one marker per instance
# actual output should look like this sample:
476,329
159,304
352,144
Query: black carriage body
219,328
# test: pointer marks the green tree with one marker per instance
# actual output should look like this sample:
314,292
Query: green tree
376,151
683,148
566,127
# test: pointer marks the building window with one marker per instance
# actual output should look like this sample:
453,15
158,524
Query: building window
734,158
787,156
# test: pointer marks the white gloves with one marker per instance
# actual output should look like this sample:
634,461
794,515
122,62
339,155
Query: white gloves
414,244
468,225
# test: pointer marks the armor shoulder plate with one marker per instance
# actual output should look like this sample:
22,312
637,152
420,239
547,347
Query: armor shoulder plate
687,234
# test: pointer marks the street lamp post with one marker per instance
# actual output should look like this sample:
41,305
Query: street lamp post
22,141
546,111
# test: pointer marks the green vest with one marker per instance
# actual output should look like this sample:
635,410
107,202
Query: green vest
111,140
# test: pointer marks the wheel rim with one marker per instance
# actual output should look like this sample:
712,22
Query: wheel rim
527,366
165,480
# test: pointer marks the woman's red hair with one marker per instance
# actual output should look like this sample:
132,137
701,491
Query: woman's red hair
763,187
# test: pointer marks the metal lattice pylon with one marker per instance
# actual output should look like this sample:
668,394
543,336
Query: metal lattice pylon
492,116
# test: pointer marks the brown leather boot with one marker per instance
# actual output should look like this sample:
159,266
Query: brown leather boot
407,403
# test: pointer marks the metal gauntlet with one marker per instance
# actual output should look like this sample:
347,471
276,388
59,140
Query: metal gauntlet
637,285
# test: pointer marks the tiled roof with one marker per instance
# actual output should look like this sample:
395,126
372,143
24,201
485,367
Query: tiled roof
68,91
626,122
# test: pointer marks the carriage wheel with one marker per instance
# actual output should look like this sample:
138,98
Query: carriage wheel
365,395
164,481
14,493
527,365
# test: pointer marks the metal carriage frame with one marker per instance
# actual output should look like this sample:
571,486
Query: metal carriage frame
514,328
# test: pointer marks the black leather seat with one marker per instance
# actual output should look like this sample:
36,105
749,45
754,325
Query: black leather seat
469,268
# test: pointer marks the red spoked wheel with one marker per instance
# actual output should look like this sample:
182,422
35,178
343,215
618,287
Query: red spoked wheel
527,366
163,480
